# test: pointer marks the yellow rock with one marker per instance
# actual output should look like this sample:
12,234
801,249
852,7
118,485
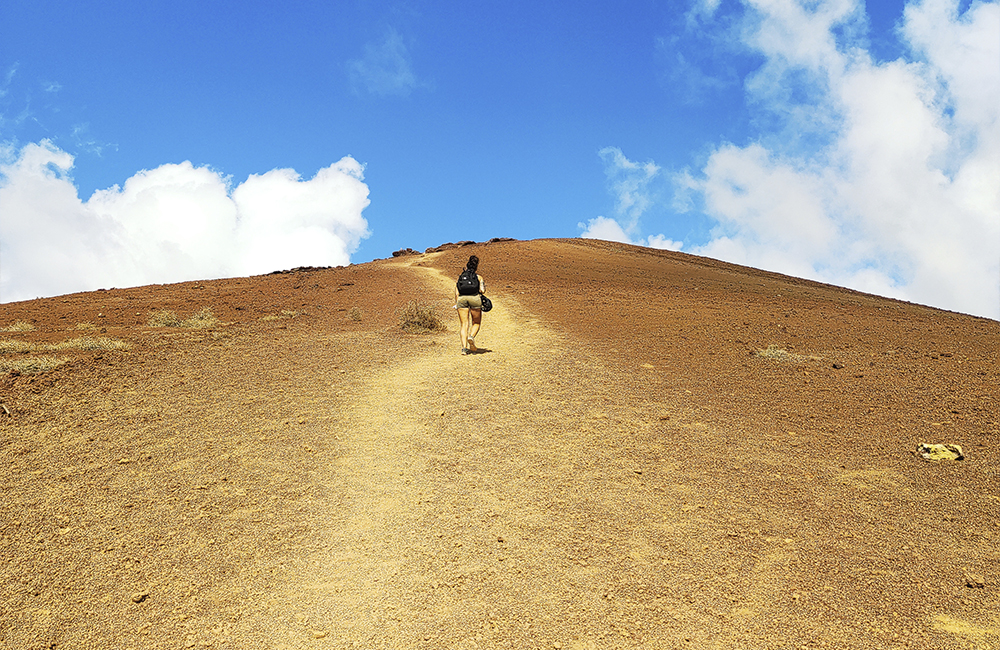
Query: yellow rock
939,452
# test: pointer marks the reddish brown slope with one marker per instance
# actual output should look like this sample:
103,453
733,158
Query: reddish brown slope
907,369
823,447
778,503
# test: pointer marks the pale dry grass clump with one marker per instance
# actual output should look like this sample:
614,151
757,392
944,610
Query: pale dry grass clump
10,346
90,344
18,326
166,318
163,318
419,318
202,319
355,314
774,353
86,343
31,365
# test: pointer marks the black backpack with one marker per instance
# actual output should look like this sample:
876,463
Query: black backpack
468,283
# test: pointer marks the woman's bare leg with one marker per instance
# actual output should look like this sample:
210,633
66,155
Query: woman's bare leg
477,319
463,319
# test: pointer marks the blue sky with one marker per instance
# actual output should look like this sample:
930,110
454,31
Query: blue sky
834,140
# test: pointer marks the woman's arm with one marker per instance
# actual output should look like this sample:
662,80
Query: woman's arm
482,284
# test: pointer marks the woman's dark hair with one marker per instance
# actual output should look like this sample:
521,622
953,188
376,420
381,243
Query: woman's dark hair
473,264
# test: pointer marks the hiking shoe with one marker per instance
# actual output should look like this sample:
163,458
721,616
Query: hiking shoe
465,350
472,345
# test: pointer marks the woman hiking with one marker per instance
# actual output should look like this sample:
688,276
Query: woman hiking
469,303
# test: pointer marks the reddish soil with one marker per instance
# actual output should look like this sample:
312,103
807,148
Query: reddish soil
619,467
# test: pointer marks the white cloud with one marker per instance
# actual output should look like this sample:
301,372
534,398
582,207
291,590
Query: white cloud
703,9
84,141
385,69
292,223
610,230
902,196
662,242
173,223
8,77
631,184
604,228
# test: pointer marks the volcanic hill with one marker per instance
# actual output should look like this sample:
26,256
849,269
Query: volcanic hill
650,450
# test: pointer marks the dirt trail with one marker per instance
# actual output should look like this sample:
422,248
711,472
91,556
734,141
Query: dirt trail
476,498
406,536
388,547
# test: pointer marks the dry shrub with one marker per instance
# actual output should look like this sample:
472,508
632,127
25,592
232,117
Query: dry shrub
419,318
774,353
355,314
10,346
18,326
89,344
30,365
163,318
202,319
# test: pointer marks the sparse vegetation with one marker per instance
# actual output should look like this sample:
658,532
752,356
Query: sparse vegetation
774,353
419,318
10,346
90,344
86,327
355,314
18,326
163,318
202,319
167,318
30,365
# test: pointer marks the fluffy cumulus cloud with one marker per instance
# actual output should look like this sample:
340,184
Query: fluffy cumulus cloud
882,176
904,199
170,224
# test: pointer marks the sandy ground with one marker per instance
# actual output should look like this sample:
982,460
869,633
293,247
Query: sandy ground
618,468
